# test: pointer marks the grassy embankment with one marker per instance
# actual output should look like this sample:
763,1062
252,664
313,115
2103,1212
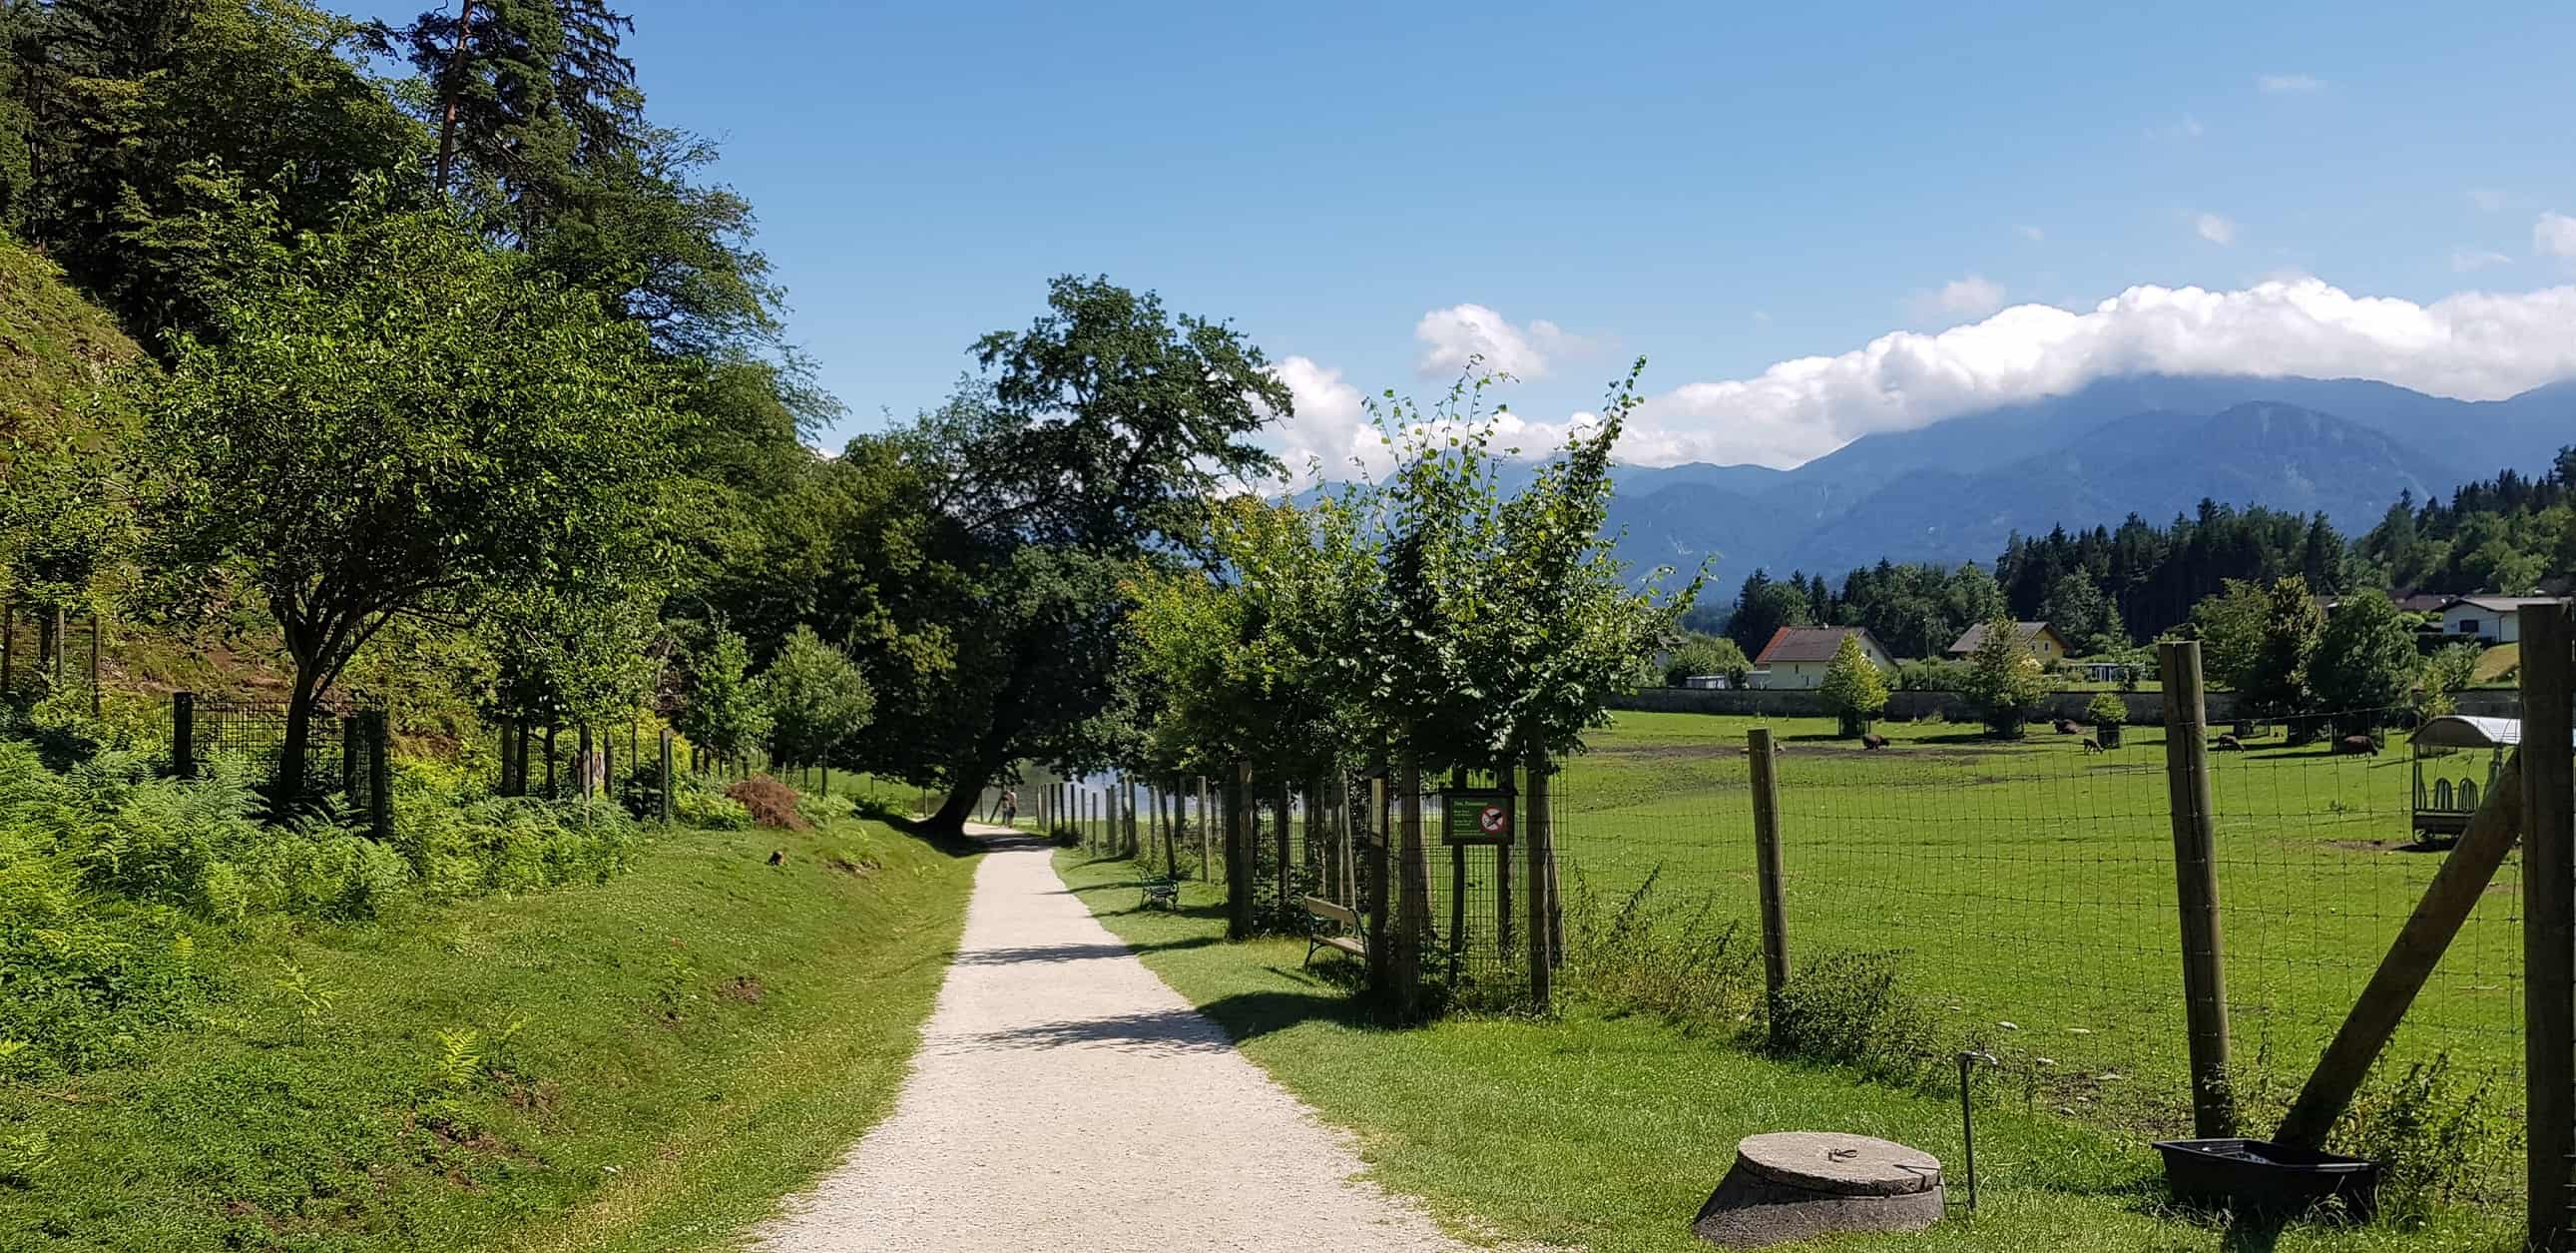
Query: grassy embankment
645,1063
1606,1132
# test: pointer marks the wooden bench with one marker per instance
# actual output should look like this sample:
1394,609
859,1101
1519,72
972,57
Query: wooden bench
1159,890
1335,927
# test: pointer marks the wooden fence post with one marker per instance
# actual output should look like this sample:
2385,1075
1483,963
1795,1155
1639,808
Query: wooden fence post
1766,865
1541,873
1207,820
2548,921
380,773
183,734
2195,821
667,775
1381,893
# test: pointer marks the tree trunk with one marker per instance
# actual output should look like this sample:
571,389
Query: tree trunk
1207,826
49,640
1413,903
1238,849
288,786
447,115
1171,811
550,761
1282,802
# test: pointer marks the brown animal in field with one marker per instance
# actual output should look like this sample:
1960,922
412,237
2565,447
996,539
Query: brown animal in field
2356,745
2067,726
2092,745
2228,744
1873,741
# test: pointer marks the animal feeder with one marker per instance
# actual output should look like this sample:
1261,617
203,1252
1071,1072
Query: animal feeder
2260,1178
2457,760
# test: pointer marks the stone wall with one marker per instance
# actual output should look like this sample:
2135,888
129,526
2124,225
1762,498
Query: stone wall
2145,708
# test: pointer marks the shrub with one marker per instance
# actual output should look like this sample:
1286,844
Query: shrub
770,802
1677,960
2106,710
1846,1008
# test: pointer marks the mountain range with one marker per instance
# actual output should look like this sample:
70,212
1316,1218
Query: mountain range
2154,445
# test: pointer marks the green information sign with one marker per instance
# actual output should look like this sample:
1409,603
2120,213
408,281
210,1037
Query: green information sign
1477,817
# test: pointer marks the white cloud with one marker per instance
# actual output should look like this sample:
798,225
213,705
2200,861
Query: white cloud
1762,315
2214,228
2554,235
2288,83
2188,128
1973,296
1455,336
2031,233
2474,345
2489,199
1329,423
2464,260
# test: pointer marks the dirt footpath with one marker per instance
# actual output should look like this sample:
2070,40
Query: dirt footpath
1065,1098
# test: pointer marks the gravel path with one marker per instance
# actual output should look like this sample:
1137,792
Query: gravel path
1065,1098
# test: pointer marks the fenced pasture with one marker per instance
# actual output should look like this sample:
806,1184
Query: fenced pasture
2027,890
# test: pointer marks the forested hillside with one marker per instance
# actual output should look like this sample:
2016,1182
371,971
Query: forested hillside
2109,588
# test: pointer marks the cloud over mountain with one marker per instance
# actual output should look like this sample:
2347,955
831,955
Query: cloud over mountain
2473,345
1455,336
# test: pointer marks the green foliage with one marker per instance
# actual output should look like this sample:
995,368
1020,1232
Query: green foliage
1847,1008
1853,685
2444,676
2365,663
2079,611
401,421
1697,653
816,700
722,712
2003,680
1763,607
2106,710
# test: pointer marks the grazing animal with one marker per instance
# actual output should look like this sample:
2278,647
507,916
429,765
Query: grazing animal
2092,745
2228,744
1873,741
2357,745
776,856
2066,726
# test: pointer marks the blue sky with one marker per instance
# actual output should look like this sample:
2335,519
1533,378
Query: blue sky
1716,188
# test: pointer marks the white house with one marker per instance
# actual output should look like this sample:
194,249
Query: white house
2495,619
1797,657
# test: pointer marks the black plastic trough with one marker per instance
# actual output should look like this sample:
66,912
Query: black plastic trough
2260,1177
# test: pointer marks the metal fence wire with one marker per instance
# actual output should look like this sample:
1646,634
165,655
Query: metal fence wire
2024,896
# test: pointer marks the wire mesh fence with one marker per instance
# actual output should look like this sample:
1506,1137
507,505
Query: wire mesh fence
2026,893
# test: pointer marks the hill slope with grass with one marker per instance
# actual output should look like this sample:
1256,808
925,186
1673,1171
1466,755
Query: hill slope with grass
54,346
644,1062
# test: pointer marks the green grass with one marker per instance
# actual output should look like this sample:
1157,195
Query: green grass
2033,884
1607,1133
656,1060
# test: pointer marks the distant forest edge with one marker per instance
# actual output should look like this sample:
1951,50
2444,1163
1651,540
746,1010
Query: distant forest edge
2107,589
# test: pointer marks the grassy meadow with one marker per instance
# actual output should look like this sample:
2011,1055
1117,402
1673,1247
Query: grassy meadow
2028,889
1606,1130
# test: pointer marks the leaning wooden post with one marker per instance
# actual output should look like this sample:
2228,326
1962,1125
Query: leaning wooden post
1541,873
2195,822
2548,921
666,777
2437,919
1766,866
183,734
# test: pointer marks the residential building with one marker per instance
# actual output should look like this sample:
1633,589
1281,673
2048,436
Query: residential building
1797,657
2495,619
2037,638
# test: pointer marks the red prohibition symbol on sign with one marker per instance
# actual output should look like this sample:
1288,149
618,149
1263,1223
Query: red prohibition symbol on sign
1492,820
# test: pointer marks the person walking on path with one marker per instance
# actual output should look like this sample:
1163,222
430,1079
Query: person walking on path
1065,1098
1010,808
